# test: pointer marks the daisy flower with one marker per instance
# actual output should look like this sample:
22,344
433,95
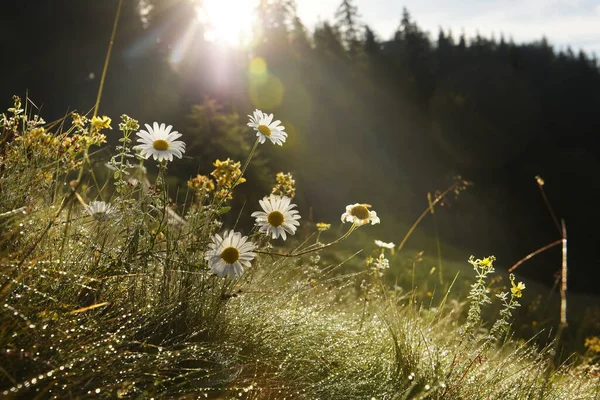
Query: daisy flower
264,128
230,254
278,216
384,245
159,142
360,214
100,210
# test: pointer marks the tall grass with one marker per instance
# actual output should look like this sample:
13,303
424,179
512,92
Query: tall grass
123,304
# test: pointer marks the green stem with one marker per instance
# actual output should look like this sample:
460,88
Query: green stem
344,236
427,210
107,60
65,233
66,201
248,159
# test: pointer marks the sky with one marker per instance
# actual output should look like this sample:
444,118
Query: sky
562,22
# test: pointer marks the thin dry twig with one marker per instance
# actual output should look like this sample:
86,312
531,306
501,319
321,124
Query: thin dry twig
535,253
563,284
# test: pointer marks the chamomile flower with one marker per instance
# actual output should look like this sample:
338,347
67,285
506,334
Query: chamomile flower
159,142
360,214
100,211
278,216
384,245
265,128
230,254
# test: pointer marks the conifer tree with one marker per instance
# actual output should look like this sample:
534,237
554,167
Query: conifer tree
371,43
347,22
327,40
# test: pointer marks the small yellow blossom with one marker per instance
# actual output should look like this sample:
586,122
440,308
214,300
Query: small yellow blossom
79,120
102,122
202,185
486,262
285,186
322,226
227,174
592,344
517,289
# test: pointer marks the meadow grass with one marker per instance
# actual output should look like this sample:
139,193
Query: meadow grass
109,290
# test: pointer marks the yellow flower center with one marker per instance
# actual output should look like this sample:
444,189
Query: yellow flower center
275,218
265,130
160,145
230,255
360,212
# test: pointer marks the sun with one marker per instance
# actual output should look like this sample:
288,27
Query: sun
227,21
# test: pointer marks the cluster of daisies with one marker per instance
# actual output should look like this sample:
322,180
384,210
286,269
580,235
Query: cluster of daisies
231,253
160,141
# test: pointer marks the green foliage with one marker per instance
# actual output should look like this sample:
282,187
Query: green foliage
218,134
116,300
509,303
478,294
420,108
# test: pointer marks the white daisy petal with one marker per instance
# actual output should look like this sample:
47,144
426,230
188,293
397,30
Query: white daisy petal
384,245
101,211
159,142
228,255
360,214
278,217
266,129
145,136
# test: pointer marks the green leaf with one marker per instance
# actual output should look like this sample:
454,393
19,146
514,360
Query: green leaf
223,210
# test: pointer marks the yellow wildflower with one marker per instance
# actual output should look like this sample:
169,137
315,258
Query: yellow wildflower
227,174
102,122
202,185
285,185
486,262
322,226
592,344
79,120
517,289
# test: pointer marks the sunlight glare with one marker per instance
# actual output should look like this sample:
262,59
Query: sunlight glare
227,21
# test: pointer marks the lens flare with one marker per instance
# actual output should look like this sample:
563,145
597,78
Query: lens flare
227,21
